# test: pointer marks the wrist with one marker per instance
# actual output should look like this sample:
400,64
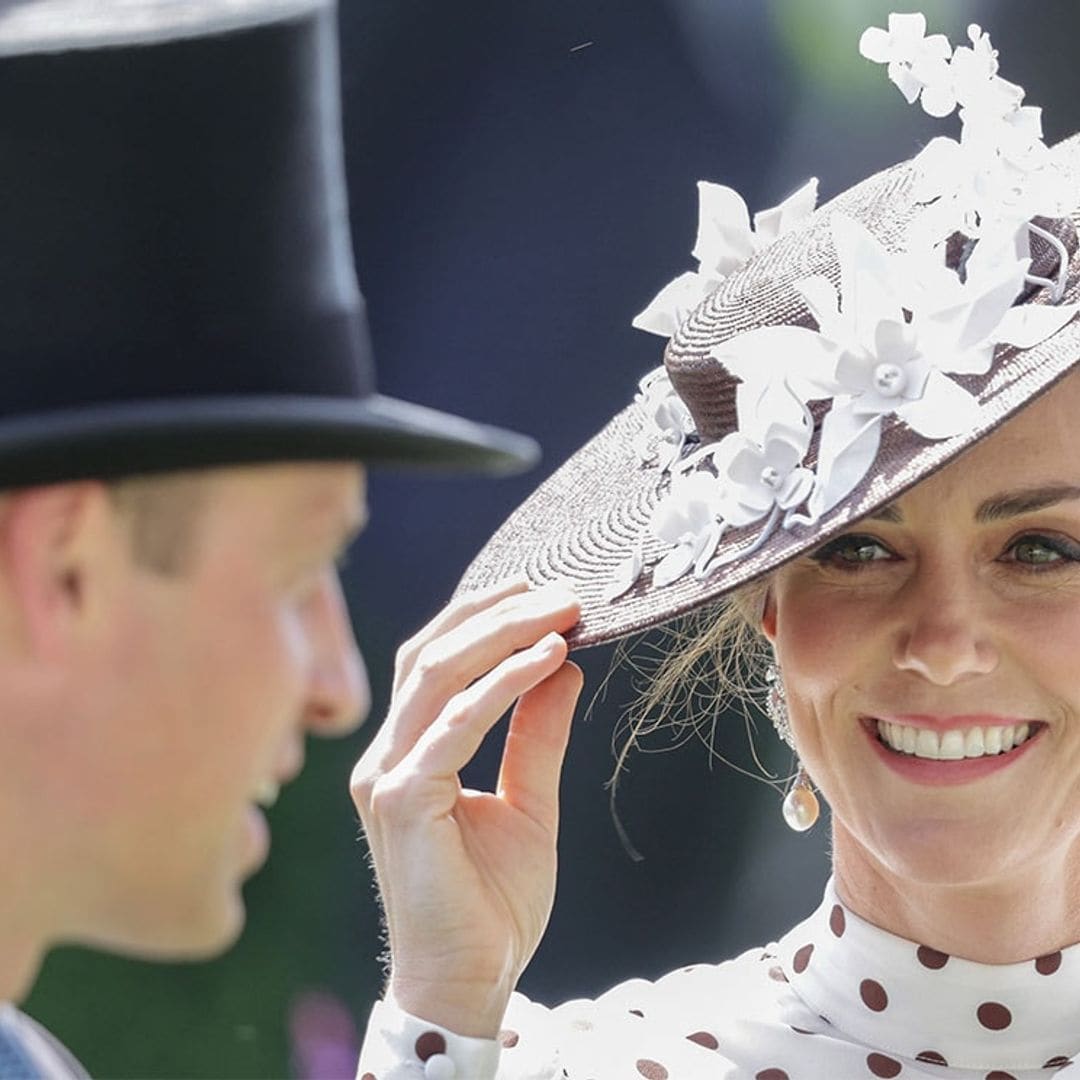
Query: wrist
466,1007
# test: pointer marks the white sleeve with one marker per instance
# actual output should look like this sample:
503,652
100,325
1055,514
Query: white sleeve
400,1046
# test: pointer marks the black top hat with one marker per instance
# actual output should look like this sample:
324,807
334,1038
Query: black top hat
176,278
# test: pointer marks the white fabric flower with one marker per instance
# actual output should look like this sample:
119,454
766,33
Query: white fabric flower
917,64
688,518
756,478
899,335
725,242
667,415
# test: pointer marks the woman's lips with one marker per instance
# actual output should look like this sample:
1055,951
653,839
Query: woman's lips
952,749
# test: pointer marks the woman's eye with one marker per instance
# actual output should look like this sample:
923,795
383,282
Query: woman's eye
851,552
1038,551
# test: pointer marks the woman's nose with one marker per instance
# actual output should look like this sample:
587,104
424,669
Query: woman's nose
339,696
943,634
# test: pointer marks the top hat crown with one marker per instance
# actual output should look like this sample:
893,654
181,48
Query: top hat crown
177,285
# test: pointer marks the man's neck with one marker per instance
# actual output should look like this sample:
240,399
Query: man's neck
20,959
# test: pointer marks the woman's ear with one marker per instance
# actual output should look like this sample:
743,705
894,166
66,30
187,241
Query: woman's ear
768,617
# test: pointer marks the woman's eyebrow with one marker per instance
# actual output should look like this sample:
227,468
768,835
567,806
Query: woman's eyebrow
1025,501
1007,504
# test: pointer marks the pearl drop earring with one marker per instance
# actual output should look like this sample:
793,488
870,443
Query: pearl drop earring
800,806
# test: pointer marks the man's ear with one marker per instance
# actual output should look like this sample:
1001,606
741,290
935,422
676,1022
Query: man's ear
768,617
55,543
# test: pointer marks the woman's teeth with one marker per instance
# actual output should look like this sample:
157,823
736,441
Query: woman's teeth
952,745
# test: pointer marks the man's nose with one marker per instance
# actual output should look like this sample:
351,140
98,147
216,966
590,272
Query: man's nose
340,696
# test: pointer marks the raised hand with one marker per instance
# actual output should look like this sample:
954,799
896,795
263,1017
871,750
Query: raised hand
468,877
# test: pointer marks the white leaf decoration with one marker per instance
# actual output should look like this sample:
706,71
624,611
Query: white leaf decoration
625,577
771,224
849,444
945,409
724,240
771,353
673,565
1030,324
673,303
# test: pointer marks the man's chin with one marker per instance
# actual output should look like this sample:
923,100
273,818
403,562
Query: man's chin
190,935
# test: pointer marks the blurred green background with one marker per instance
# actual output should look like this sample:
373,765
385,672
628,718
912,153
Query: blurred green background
522,181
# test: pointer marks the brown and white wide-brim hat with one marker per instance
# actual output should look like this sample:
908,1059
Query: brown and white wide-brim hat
823,362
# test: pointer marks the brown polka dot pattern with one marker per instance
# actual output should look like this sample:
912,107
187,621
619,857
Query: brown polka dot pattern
771,1074
1058,1062
429,1044
883,1066
873,995
636,1012
997,1074
1048,964
368,1076
802,1031
508,1038
837,922
651,1070
706,1039
931,1057
933,959
801,961
993,1016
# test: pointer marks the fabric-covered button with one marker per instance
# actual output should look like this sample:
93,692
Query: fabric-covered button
439,1067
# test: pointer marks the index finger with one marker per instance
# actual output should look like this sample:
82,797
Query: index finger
452,616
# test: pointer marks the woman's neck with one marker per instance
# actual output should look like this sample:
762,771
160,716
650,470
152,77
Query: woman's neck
997,921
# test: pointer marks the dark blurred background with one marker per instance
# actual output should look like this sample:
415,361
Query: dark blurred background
522,181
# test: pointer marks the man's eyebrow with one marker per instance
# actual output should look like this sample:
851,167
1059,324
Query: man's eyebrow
1025,501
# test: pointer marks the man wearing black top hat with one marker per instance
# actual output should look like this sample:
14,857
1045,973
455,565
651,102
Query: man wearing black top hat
186,393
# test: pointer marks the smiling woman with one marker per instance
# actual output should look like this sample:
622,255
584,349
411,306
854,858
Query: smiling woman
860,455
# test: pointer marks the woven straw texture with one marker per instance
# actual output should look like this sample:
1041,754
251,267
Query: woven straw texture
584,522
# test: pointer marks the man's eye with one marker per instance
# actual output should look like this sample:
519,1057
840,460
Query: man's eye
852,552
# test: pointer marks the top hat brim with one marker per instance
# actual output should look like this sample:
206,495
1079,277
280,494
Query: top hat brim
592,517
131,438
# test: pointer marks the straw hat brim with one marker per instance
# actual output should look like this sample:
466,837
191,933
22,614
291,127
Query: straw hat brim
583,524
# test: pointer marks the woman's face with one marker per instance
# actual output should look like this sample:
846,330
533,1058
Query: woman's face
948,625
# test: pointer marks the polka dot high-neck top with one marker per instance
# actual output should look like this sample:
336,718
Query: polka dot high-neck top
835,999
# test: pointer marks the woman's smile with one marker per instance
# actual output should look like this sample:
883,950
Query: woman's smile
952,749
